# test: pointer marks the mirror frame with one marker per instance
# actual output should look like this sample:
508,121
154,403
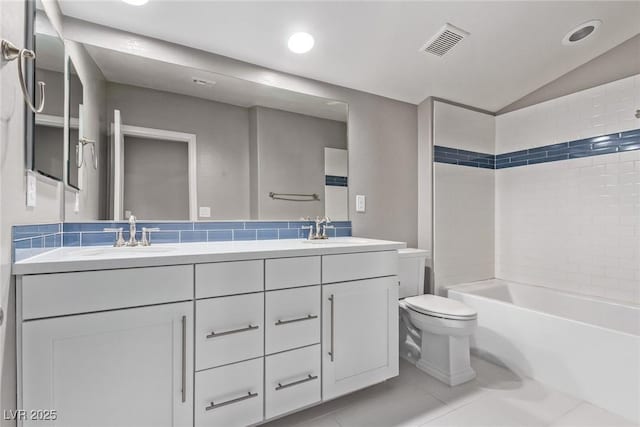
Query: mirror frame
30,77
30,71
68,161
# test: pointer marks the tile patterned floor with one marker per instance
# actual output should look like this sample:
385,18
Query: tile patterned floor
497,397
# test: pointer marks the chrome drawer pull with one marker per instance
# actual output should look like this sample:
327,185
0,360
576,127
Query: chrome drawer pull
184,359
214,405
304,380
214,334
300,319
332,350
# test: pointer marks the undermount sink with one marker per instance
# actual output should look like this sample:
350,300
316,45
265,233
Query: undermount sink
125,250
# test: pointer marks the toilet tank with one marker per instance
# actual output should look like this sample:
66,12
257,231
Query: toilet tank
411,264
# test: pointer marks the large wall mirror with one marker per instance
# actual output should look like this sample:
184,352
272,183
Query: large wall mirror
47,146
132,135
189,144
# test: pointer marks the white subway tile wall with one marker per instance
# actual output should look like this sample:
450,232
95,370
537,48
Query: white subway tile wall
463,199
464,231
575,224
600,110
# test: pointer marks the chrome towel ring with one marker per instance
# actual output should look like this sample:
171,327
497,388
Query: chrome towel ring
11,52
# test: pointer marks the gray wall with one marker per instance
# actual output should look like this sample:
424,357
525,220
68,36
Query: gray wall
48,150
54,91
48,153
290,159
382,133
222,141
93,193
254,210
615,64
49,141
149,162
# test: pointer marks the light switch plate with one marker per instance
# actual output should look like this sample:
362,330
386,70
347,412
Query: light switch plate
204,212
76,205
361,203
31,189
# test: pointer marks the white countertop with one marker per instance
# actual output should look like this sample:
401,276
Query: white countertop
103,258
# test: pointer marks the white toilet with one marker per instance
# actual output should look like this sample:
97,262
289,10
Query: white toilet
444,325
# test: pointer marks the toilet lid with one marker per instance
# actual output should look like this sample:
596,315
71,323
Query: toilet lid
433,305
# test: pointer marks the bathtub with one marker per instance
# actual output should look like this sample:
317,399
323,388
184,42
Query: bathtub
583,346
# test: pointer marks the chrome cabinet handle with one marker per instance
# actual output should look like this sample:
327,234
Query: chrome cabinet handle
214,405
299,319
184,359
214,334
332,300
302,381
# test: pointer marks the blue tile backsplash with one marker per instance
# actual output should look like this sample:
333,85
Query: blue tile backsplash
595,146
30,240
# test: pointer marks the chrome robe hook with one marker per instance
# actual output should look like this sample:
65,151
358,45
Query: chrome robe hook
11,52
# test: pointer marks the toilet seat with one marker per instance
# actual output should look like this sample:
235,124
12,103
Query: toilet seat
445,308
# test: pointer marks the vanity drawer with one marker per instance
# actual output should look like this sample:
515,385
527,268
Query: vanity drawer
47,295
229,278
292,318
230,395
291,272
229,329
364,265
292,380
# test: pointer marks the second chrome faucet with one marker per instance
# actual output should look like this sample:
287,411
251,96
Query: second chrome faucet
321,227
145,239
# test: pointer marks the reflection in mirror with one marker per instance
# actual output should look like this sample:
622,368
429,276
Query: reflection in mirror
75,102
191,144
48,135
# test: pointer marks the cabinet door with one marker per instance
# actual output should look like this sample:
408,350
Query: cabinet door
359,334
129,367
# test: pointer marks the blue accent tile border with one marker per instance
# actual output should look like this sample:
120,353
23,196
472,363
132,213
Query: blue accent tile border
336,181
30,240
594,146
455,156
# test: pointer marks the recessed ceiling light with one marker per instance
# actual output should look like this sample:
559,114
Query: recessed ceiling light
581,32
136,2
301,42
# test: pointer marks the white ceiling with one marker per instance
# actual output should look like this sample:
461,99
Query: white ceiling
514,47
145,72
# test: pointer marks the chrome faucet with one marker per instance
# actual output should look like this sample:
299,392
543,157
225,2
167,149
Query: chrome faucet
119,239
321,226
319,222
132,232
146,235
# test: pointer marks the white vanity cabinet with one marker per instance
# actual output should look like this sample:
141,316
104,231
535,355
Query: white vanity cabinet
130,367
231,343
360,322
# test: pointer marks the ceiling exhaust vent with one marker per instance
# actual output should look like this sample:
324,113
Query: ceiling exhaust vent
444,40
